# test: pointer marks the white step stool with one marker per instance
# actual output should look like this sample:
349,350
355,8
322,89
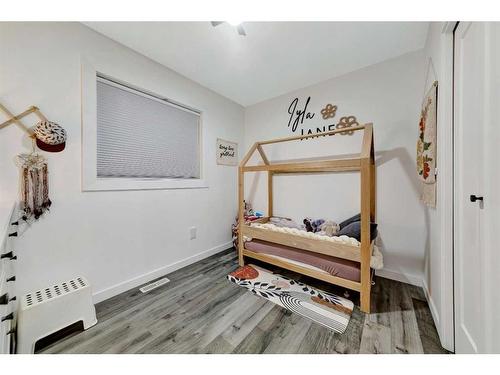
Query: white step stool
48,310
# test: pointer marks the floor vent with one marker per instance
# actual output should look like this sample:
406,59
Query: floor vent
156,284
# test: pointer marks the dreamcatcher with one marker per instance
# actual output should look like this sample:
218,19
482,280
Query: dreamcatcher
34,186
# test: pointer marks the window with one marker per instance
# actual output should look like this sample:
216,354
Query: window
141,136
134,139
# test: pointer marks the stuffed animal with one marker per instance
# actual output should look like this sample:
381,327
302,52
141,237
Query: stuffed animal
248,209
329,228
313,225
321,226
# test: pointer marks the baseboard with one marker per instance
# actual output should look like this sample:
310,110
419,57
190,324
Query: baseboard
432,306
399,276
445,342
139,280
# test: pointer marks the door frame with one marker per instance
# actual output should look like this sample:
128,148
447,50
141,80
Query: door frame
442,309
446,191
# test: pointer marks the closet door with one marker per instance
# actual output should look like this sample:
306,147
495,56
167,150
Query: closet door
473,292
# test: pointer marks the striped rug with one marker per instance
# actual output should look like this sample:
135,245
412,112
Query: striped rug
324,308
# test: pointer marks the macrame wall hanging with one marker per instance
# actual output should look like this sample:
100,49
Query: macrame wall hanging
427,148
34,186
48,136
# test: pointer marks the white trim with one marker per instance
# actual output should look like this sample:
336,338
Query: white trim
134,282
400,276
442,309
491,188
112,184
432,305
448,27
90,181
89,131
445,325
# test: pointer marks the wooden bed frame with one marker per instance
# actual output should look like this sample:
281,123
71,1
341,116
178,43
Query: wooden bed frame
364,163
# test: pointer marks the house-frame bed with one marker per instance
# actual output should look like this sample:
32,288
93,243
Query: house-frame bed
364,163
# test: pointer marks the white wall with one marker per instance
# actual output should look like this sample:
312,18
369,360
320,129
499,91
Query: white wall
438,280
389,95
116,239
492,187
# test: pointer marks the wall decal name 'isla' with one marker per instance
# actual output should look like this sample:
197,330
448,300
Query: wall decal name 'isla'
298,115
301,115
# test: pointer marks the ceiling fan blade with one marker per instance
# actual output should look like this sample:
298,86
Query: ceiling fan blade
216,23
241,30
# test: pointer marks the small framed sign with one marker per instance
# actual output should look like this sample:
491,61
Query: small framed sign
227,152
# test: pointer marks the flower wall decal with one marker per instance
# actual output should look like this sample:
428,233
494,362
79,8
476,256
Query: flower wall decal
329,111
347,122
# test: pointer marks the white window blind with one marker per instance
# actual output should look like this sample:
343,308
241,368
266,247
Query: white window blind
142,136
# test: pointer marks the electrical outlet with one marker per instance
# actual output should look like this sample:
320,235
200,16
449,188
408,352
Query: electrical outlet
192,233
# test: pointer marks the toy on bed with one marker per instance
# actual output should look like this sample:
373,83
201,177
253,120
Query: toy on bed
350,227
249,216
313,225
322,226
329,228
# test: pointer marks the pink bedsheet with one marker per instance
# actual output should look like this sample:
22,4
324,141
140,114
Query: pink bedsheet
344,268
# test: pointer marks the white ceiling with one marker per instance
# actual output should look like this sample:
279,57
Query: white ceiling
274,58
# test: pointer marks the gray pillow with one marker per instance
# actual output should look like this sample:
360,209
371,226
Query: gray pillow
350,220
354,230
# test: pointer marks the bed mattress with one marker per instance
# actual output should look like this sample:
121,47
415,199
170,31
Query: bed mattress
339,267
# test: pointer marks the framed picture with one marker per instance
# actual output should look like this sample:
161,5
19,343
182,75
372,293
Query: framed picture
227,152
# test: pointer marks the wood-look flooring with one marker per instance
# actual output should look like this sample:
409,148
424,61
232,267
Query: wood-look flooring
199,311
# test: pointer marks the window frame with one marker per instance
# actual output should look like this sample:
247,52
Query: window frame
90,180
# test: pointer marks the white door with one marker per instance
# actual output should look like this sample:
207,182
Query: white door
472,250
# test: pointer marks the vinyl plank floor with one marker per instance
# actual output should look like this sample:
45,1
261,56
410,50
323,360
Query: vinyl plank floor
405,334
376,338
199,311
427,329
